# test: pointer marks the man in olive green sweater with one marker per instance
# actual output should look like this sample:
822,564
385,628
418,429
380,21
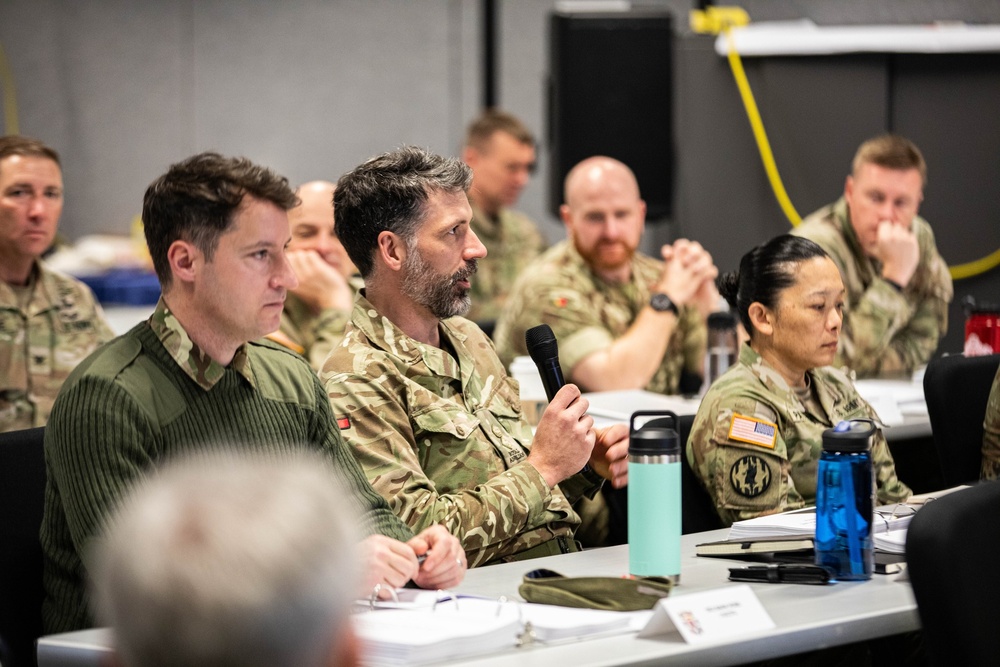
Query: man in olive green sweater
190,378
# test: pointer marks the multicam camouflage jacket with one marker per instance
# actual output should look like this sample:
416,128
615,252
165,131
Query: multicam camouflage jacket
311,334
885,332
42,342
755,445
512,242
439,433
991,433
588,314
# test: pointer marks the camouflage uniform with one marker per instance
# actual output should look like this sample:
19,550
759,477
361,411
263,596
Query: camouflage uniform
772,467
512,241
588,314
41,343
439,433
885,331
991,433
310,334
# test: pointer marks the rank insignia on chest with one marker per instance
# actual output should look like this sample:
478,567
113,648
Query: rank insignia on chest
753,431
343,423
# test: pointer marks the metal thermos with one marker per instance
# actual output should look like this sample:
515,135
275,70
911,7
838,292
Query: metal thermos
654,496
845,500
721,351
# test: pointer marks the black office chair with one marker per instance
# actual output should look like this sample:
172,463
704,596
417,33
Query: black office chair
22,494
951,552
956,389
697,509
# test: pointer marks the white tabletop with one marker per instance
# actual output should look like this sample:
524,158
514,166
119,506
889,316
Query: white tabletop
899,403
806,617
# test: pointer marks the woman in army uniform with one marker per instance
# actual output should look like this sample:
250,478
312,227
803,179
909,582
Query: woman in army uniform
757,437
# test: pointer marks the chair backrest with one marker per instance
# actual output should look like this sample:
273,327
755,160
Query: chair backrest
22,497
699,513
697,509
957,388
951,552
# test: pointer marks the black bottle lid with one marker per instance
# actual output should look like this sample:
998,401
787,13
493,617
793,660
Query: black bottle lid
849,436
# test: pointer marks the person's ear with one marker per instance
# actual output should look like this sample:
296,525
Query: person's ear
761,318
391,250
470,156
567,216
185,260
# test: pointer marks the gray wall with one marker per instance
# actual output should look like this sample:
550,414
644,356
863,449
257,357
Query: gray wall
311,87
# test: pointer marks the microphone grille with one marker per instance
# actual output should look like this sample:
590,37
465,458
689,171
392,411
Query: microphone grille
541,343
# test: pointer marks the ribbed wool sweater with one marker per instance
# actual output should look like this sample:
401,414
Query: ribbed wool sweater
130,407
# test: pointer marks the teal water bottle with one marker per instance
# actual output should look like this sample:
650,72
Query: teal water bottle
845,500
654,497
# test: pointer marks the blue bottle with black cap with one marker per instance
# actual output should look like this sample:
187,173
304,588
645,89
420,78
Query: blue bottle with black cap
845,500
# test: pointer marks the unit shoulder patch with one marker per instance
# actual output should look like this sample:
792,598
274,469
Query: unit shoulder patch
750,476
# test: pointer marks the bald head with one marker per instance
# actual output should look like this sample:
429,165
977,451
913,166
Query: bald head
311,224
317,202
604,215
598,173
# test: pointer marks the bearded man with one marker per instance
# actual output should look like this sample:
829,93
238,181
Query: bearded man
419,394
623,320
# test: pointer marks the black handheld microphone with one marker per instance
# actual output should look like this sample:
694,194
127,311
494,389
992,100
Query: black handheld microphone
544,352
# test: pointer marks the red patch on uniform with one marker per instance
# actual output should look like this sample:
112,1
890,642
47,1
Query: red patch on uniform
560,302
343,423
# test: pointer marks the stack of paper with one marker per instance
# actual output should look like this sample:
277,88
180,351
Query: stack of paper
802,523
415,637
469,627
893,542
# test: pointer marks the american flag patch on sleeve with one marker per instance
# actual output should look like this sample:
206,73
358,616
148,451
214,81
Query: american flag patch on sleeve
754,431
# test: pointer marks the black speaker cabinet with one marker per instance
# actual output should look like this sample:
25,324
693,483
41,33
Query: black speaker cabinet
610,94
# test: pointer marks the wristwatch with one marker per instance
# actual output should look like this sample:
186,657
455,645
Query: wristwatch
661,303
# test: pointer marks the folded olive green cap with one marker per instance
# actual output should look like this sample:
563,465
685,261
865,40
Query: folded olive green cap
610,593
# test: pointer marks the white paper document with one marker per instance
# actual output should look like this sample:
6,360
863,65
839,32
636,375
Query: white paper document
803,523
468,627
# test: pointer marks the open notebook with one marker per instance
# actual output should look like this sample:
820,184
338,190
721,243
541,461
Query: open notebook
470,626
888,528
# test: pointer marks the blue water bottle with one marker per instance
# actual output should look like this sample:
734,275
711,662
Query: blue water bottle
845,500
654,497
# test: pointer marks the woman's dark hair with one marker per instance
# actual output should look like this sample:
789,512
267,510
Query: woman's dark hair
764,272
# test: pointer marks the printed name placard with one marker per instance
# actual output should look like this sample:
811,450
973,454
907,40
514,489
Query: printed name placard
709,615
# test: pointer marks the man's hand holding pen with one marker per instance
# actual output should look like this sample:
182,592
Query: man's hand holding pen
433,559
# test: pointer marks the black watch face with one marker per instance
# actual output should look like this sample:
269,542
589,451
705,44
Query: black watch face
662,303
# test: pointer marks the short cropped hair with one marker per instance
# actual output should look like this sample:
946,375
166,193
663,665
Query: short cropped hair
196,201
891,151
230,559
490,122
764,273
389,193
14,144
